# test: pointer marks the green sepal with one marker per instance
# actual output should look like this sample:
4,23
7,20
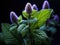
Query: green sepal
26,15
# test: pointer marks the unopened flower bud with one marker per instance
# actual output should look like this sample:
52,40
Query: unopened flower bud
45,5
13,17
28,8
35,7
56,18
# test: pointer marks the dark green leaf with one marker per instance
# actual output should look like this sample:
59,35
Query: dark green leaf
52,30
23,29
43,27
1,37
17,35
20,27
40,36
9,37
29,21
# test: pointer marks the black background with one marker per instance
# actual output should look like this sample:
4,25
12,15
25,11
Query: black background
18,6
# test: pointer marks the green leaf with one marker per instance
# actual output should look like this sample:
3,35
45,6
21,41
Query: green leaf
29,21
24,31
52,30
23,28
1,37
20,27
32,20
40,36
19,19
17,35
42,17
43,27
33,13
9,37
27,15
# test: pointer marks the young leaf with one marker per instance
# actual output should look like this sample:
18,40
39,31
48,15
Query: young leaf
42,17
33,13
19,19
27,15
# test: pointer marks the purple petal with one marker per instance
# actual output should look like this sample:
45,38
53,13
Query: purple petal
35,7
45,5
13,17
56,18
28,8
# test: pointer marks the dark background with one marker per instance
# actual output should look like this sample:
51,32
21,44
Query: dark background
18,6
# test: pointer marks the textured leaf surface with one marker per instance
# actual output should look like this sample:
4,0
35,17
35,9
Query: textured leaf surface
23,28
42,17
39,36
9,37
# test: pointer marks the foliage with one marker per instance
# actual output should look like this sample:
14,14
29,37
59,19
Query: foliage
32,31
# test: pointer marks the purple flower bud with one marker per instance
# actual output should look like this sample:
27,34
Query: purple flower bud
13,17
45,5
56,18
28,8
34,7
49,21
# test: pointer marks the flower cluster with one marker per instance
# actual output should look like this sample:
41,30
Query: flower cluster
29,8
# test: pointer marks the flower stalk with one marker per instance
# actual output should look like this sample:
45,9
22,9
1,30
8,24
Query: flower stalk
29,9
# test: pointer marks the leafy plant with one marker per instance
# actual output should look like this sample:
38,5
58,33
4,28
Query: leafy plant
33,30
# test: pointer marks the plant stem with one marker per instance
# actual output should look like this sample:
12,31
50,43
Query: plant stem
30,35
